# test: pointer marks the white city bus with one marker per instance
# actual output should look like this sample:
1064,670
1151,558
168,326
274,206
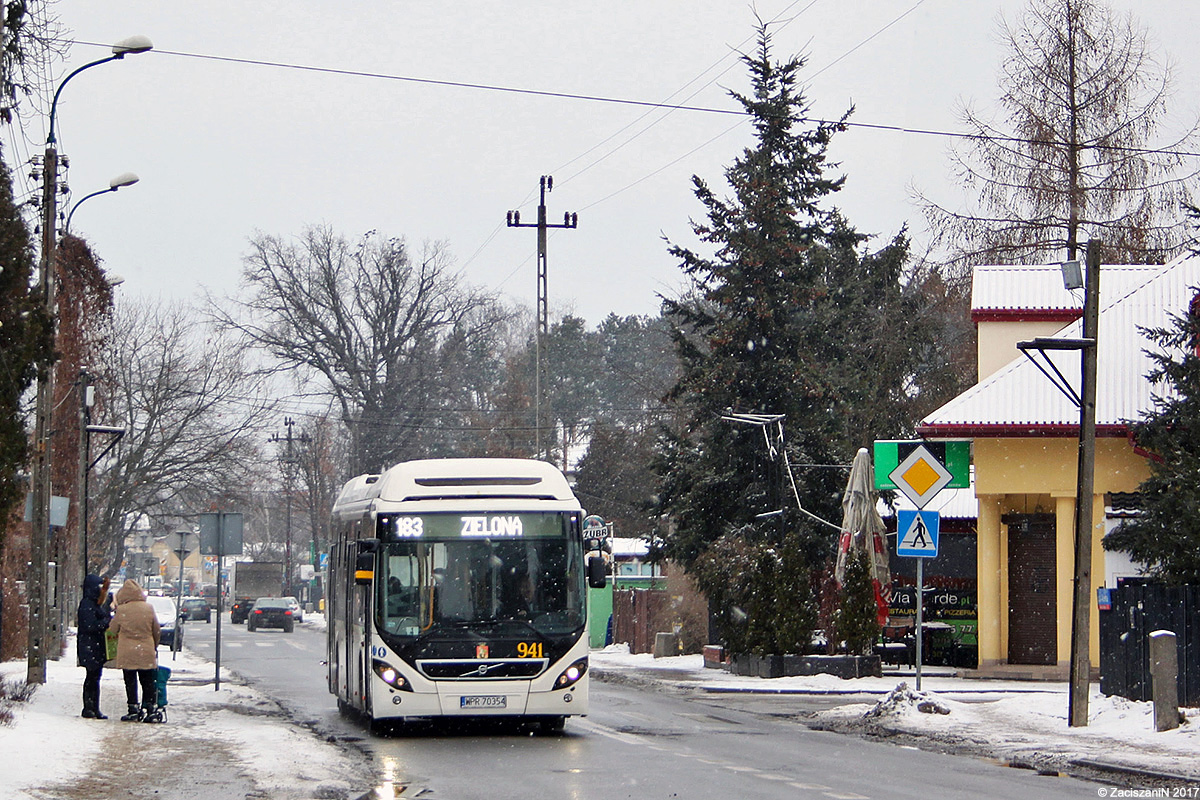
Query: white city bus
457,587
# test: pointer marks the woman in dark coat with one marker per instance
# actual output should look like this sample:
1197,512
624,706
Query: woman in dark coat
95,610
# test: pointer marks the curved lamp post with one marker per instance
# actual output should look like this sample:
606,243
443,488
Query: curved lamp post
40,477
119,182
86,428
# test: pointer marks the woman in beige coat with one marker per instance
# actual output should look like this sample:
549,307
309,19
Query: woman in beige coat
137,632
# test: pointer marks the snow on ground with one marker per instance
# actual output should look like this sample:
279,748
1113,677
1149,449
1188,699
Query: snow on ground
238,740
235,738
1023,722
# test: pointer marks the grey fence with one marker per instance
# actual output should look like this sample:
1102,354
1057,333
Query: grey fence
1139,609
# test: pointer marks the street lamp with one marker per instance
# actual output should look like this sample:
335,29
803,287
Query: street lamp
1085,475
40,477
119,182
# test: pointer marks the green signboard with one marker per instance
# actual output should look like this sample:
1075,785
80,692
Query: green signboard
954,456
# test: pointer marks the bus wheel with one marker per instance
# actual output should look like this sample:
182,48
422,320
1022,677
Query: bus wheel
384,727
553,724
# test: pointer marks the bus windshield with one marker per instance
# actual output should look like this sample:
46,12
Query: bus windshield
453,570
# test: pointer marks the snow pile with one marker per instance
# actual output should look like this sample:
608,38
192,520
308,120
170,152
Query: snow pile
903,700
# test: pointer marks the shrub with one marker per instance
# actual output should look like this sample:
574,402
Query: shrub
12,692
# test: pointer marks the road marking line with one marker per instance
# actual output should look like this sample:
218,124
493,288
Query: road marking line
626,738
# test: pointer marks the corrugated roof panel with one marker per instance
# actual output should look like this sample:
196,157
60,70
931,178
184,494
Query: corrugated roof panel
1040,287
1018,394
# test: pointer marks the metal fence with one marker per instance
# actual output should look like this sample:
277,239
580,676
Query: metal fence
1137,610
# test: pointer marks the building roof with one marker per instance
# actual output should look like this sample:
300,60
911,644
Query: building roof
1004,292
949,503
629,548
1018,400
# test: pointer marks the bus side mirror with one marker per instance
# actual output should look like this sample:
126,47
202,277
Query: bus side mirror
597,573
364,562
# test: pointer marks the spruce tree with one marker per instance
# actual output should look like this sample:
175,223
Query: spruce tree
787,315
1164,536
741,333
857,620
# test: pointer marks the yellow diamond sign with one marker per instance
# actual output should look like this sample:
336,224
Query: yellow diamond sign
920,476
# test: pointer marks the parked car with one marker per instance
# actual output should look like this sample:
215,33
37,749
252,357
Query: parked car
297,611
271,612
164,609
196,608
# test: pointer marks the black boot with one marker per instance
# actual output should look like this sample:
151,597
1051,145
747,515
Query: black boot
151,714
134,715
97,713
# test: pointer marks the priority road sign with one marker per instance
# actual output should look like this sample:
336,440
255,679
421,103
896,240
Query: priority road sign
955,456
917,533
920,476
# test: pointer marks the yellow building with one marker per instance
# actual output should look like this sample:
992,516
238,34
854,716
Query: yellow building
1025,447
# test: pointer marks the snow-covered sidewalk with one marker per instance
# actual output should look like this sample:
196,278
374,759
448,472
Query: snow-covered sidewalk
233,743
1018,722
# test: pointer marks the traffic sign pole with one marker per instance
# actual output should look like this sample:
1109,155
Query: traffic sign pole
920,475
917,534
920,614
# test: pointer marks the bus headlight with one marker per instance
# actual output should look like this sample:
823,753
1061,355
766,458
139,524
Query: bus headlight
391,676
571,674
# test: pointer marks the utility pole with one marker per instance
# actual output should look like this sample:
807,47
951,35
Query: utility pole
87,399
570,220
1081,618
39,532
288,476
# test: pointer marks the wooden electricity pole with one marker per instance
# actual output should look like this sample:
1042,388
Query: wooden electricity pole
1081,667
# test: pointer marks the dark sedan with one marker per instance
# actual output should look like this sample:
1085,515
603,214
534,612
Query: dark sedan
271,612
195,608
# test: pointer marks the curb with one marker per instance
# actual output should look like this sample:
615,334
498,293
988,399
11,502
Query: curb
881,692
1136,772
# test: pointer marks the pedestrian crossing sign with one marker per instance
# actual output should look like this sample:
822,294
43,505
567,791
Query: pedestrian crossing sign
917,533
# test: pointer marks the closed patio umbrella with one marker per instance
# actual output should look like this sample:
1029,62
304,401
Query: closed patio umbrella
863,529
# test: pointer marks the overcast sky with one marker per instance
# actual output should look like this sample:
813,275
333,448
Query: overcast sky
226,148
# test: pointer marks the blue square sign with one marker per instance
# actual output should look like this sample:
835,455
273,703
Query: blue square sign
917,533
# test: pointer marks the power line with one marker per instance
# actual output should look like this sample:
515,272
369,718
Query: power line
916,131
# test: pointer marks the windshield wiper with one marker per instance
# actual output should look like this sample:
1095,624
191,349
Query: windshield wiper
487,622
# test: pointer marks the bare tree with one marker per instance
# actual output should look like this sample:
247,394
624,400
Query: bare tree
194,417
30,36
378,325
1077,148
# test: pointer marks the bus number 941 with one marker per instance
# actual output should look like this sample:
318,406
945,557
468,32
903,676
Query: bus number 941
529,650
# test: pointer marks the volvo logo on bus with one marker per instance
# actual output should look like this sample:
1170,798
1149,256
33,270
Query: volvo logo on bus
492,526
